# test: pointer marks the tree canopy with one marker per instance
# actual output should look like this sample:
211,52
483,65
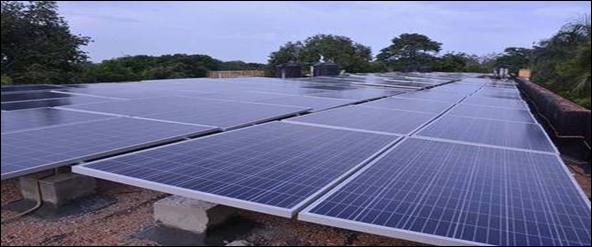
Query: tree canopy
513,58
409,49
562,63
351,56
37,45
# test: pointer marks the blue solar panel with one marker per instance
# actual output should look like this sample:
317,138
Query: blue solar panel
21,88
428,106
495,113
272,168
316,103
496,102
43,117
40,149
223,114
450,194
69,100
358,94
23,96
490,132
432,95
367,118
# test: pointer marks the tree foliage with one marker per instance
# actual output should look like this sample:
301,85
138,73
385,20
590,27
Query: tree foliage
37,45
409,49
142,67
562,63
513,58
351,56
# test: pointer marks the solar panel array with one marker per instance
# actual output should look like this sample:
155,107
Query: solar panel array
482,173
35,112
45,148
460,163
273,168
450,194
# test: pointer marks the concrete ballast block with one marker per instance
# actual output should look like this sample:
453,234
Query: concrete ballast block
58,189
190,214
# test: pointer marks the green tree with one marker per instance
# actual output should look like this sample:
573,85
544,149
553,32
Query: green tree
452,62
514,58
37,45
409,49
562,63
351,56
462,62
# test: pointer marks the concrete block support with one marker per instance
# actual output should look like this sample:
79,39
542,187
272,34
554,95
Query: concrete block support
57,189
189,214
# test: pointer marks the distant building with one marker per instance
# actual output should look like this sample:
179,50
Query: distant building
325,69
288,70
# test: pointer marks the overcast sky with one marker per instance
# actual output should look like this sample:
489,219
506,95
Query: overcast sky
249,31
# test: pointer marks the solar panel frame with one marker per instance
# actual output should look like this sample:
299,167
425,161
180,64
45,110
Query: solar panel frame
98,154
307,216
224,200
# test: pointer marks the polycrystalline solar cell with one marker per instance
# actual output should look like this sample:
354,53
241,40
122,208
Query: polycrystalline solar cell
447,194
490,132
272,168
494,113
316,103
224,114
43,117
40,149
367,118
70,100
31,96
495,102
432,95
409,104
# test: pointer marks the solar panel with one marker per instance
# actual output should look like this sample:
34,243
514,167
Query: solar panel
41,149
70,100
359,94
273,168
432,95
496,102
455,194
369,119
409,104
489,132
495,113
240,96
23,96
223,114
43,117
316,103
20,88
